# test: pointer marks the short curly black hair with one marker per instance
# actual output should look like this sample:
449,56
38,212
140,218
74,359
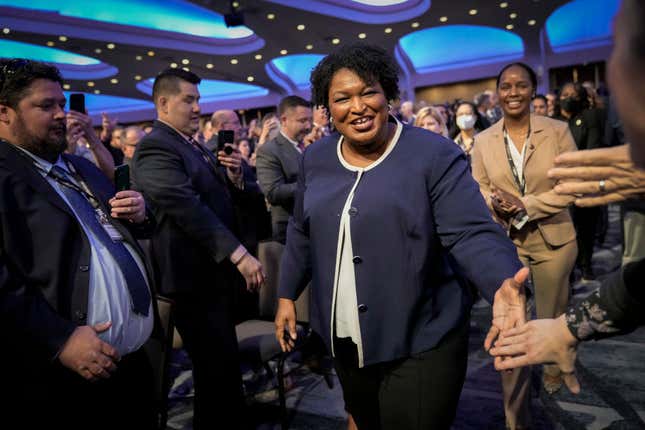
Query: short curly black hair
370,62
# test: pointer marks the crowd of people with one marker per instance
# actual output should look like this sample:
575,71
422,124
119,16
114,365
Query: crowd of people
512,181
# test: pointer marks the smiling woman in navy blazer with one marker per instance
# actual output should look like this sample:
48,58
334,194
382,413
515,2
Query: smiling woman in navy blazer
391,229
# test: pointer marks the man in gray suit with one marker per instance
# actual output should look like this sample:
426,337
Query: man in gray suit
277,161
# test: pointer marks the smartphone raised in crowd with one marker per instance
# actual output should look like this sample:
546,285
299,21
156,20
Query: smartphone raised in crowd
225,138
122,177
77,102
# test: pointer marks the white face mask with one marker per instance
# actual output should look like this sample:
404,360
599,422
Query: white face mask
466,122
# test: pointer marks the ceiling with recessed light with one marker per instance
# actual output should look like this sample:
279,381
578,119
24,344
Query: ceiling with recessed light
112,49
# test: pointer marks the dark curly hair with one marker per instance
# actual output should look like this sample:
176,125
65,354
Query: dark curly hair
370,62
17,75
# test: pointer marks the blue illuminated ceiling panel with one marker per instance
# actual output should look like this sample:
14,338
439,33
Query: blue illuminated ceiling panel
95,104
581,24
364,11
292,72
177,24
71,66
213,91
456,46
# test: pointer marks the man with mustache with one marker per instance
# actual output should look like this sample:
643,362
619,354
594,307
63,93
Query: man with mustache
75,303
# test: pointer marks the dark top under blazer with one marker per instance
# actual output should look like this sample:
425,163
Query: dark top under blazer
44,258
420,226
194,208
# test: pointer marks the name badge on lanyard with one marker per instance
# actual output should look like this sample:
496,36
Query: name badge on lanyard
107,226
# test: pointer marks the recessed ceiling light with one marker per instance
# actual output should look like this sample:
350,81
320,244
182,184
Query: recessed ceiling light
173,65
503,5
114,81
6,30
513,15
185,69
270,16
335,41
97,91
138,58
235,4
98,50
62,38
258,56
234,61
388,30
509,27
415,24
151,53
362,35
137,77
531,22
209,66
90,84
443,19
309,47
300,27
250,78
283,52
472,11
110,46
66,86
50,43
185,61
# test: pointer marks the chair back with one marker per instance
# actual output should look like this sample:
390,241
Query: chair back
270,255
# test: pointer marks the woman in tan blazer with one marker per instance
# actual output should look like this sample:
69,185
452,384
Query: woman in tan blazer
510,162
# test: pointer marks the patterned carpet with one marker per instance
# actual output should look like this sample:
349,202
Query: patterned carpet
611,373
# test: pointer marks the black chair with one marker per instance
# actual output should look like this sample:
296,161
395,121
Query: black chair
256,338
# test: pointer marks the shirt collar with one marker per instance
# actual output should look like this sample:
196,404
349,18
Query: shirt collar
293,142
185,136
45,165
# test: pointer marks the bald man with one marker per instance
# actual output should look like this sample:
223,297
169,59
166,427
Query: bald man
223,119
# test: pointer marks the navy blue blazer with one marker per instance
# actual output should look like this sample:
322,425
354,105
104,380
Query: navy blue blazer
423,234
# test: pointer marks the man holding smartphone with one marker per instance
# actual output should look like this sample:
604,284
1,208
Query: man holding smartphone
75,301
195,246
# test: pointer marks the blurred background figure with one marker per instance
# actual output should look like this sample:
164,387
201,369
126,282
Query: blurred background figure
586,128
468,123
406,110
131,137
431,119
539,105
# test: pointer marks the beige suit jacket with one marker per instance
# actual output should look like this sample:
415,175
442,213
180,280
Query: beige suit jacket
547,209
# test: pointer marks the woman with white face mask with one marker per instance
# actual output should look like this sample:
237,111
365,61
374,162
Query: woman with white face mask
467,126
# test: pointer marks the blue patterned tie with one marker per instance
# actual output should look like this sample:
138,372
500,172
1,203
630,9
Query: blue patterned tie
134,279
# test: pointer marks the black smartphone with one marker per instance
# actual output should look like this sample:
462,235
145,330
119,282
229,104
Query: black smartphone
77,102
122,177
225,138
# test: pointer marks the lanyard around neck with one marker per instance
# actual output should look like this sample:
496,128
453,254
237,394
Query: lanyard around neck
519,181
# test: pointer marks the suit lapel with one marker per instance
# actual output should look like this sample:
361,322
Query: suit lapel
499,154
217,173
289,152
26,170
538,136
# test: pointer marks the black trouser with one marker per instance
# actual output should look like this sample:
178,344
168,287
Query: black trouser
418,392
204,320
586,222
60,398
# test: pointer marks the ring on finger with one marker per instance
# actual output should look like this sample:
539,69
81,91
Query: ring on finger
601,185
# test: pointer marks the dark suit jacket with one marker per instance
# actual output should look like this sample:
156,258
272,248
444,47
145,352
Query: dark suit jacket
194,208
277,169
44,259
